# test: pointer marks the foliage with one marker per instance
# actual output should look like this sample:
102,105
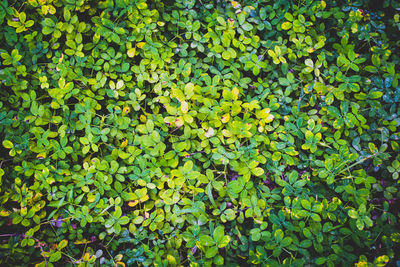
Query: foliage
199,133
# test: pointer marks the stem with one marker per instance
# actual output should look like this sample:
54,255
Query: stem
356,163
4,235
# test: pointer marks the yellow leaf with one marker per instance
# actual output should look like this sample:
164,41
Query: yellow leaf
262,114
84,241
277,50
266,110
179,122
125,143
235,4
184,107
226,133
86,257
131,52
235,92
133,203
52,10
226,118
119,84
8,144
91,198
269,118
210,132
4,213
118,257
41,155
286,25
126,110
271,53
141,44
144,198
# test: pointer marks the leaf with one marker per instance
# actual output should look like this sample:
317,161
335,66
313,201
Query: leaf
188,166
224,242
278,235
211,252
8,144
309,135
293,176
140,44
289,16
225,118
271,53
235,186
276,156
119,84
123,220
226,55
373,148
257,171
210,132
360,224
56,256
184,107
309,63
352,214
131,52
206,240
247,26
320,260
286,25
375,94
218,233
62,244
117,212
306,204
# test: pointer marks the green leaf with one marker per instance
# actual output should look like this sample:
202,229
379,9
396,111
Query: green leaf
218,233
289,16
206,240
117,212
224,242
320,260
188,166
211,252
247,26
123,220
306,204
278,235
360,224
257,171
276,157
54,257
62,244
352,214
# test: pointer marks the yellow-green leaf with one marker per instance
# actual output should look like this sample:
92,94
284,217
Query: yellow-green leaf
286,25
8,144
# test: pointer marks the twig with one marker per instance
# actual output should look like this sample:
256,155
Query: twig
3,235
40,246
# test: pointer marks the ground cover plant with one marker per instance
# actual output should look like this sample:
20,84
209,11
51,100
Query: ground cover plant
199,133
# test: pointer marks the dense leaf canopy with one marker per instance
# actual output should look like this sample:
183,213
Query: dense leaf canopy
199,133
